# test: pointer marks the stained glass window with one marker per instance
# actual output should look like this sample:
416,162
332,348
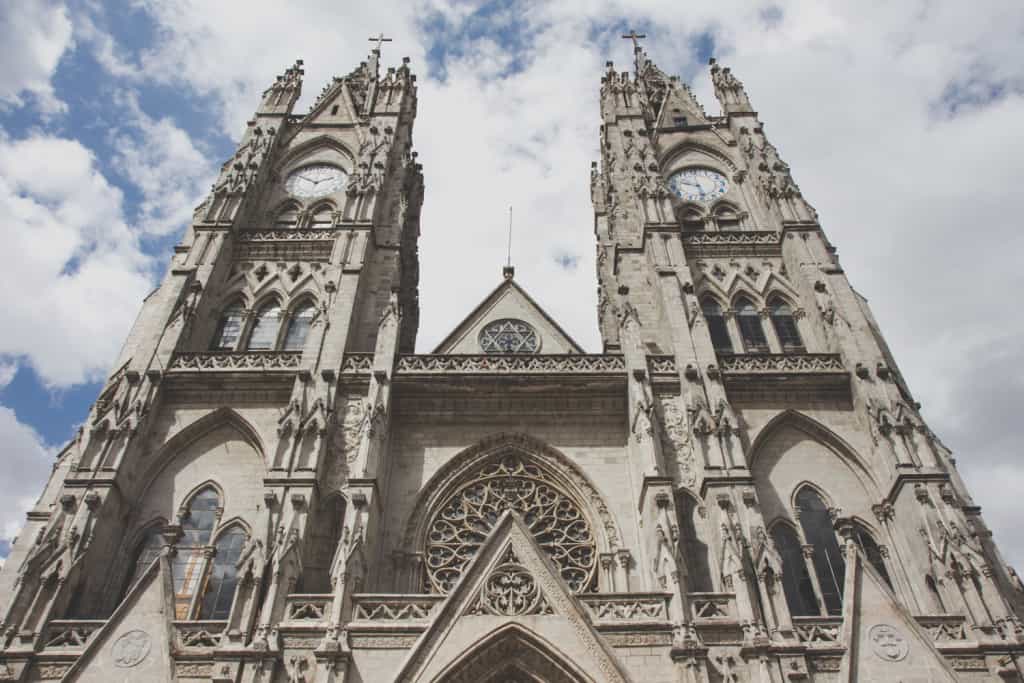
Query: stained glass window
230,328
223,575
716,326
785,326
264,331
148,550
509,336
751,331
826,556
871,551
190,560
298,327
796,582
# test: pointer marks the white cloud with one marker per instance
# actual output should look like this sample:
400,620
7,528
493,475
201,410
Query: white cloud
7,371
161,160
33,36
27,462
75,276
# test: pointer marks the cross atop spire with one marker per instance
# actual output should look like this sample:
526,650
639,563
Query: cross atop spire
379,39
635,37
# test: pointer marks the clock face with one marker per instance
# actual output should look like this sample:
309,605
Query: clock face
698,184
318,180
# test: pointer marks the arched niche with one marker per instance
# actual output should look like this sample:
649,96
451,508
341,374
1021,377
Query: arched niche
220,449
322,149
794,451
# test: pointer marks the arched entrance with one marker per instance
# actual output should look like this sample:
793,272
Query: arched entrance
512,655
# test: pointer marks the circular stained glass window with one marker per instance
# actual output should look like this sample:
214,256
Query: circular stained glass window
509,336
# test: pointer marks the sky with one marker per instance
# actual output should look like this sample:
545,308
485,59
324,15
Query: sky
902,123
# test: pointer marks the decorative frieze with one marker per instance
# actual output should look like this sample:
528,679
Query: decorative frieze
944,628
662,365
235,361
357,363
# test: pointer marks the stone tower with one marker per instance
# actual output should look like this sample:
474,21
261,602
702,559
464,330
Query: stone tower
273,486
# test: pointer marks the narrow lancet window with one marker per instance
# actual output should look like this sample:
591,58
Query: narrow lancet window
716,326
299,324
230,328
826,556
263,336
749,321
785,326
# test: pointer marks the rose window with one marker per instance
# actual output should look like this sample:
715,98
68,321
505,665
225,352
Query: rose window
466,517
509,336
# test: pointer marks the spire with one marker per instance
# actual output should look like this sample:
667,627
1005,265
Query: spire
282,94
729,90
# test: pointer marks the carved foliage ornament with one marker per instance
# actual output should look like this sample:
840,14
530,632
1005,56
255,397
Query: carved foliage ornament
465,519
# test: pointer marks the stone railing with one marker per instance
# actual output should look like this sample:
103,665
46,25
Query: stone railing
356,363
731,242
70,634
950,628
285,245
308,607
705,606
394,608
286,235
661,365
235,361
782,363
819,631
486,364
632,607
198,634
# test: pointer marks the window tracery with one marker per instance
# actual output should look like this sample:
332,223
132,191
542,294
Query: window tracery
509,335
205,575
463,521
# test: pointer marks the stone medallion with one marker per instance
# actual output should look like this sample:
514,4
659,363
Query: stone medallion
888,643
131,648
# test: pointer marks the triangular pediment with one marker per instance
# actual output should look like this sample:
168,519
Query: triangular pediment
511,600
135,643
885,642
508,301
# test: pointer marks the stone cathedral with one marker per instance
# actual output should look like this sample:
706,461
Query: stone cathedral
274,486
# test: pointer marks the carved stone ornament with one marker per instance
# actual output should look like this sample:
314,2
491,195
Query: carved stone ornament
510,590
131,649
888,643
464,520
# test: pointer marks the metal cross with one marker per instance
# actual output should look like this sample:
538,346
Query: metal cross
380,40
635,37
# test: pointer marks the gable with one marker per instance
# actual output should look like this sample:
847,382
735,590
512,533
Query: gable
511,593
508,301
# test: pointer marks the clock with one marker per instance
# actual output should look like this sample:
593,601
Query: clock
318,180
698,184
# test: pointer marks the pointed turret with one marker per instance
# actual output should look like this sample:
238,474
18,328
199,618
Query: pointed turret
282,95
669,102
729,90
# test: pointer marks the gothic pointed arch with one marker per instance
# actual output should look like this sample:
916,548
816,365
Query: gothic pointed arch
512,653
673,157
816,431
301,152
461,502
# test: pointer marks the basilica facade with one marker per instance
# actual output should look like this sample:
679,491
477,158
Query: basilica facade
274,486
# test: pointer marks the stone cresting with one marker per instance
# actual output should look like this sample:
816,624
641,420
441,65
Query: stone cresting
234,361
